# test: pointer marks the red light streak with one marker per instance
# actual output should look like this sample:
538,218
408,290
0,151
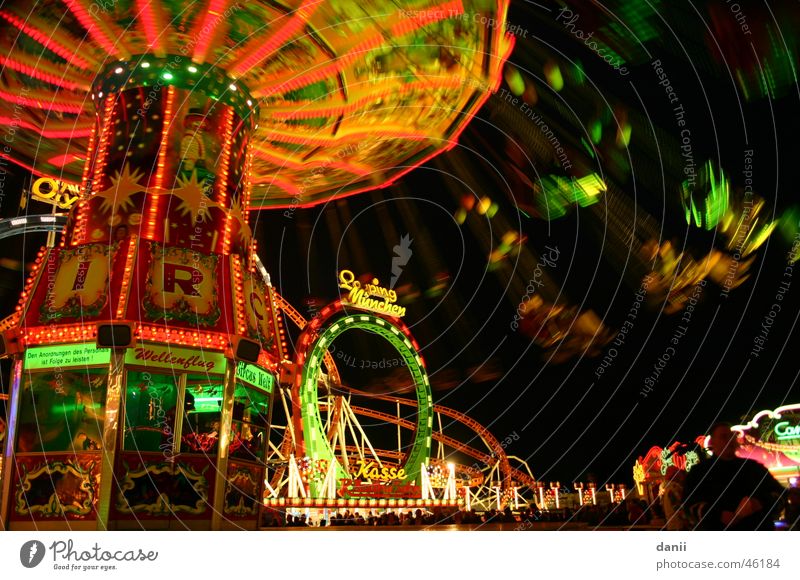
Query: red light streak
126,277
39,72
165,127
150,19
204,32
97,29
273,42
76,131
46,103
34,170
46,41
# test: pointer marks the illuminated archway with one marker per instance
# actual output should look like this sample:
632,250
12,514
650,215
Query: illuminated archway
314,342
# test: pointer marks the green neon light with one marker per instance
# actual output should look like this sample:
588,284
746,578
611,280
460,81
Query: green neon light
66,355
786,468
317,445
207,404
784,431
706,203
255,376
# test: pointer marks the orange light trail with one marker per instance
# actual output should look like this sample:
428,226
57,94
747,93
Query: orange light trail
283,84
162,150
327,110
151,21
40,72
97,29
204,32
46,41
272,43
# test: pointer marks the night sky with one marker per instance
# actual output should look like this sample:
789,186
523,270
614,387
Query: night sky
566,419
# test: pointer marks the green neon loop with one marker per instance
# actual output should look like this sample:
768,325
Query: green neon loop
316,441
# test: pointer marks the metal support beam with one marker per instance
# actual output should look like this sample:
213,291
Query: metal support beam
221,476
7,471
116,378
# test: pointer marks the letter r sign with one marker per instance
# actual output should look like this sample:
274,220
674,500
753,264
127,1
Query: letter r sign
184,277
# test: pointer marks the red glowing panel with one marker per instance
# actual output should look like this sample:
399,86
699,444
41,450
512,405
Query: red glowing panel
182,290
77,284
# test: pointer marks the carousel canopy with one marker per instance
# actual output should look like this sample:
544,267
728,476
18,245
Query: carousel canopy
347,95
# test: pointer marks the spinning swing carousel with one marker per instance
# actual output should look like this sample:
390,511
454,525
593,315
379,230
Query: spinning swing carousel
148,345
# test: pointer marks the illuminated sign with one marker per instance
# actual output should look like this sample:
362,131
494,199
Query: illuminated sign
207,404
79,288
255,376
67,355
182,285
258,313
351,489
684,461
784,431
180,359
372,297
57,193
372,472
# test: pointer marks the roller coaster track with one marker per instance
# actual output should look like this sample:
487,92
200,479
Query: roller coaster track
510,475
30,224
333,375
293,315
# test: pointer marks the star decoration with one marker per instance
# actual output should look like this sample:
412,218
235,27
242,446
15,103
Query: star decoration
194,203
237,213
123,186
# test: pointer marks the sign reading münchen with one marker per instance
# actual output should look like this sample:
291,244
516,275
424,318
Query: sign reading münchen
372,297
